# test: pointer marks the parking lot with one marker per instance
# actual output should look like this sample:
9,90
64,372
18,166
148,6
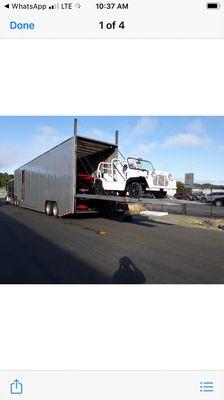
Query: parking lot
36,248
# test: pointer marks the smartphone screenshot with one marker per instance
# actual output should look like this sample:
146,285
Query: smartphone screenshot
111,199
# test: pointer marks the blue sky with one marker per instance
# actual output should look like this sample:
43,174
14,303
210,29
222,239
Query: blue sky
175,144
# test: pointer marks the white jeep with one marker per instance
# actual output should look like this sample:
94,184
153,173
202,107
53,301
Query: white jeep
133,177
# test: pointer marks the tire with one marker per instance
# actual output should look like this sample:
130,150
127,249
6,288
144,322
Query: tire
55,210
98,187
49,208
135,190
218,203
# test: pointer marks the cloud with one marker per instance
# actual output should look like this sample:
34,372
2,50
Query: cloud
144,126
46,138
9,156
195,127
99,134
131,142
193,136
45,132
144,150
187,140
221,148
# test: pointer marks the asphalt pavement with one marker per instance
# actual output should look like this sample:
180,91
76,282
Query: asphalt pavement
35,248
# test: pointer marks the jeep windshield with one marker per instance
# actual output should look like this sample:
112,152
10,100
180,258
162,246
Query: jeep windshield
139,164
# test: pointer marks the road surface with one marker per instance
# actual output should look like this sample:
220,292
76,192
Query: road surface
35,248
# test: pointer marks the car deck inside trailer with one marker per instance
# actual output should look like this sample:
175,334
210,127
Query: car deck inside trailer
89,153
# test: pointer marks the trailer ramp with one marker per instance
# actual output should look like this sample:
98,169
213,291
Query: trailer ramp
143,202
127,199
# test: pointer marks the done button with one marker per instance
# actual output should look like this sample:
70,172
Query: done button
22,25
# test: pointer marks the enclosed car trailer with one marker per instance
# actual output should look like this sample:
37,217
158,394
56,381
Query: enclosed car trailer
51,182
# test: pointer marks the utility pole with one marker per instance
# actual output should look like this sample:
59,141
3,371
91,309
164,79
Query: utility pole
116,137
211,202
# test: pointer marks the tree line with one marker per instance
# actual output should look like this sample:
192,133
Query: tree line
4,178
208,185
181,187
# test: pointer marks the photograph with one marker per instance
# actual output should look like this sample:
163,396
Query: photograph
111,199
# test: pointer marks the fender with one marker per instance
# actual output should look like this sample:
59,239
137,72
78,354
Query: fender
140,179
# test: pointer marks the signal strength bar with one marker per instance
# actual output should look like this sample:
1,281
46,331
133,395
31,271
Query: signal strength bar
54,7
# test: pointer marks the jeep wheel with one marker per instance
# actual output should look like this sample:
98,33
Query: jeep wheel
135,190
98,187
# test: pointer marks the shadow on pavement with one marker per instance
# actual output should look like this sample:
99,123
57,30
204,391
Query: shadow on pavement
26,257
128,272
150,223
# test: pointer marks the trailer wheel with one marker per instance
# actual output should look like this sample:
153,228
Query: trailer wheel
135,189
49,208
98,187
55,210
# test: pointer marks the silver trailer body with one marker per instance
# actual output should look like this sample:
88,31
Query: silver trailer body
53,175
49,177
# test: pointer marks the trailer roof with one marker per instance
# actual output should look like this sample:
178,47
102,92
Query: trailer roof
87,146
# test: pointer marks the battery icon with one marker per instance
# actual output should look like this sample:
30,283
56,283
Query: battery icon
213,5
